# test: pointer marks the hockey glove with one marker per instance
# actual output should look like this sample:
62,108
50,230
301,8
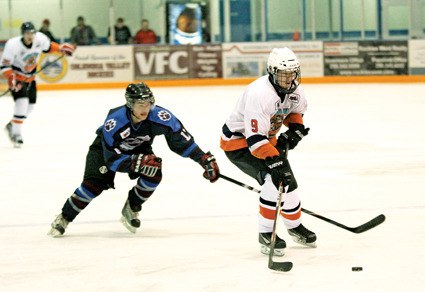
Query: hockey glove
280,171
14,85
212,171
146,164
66,49
292,136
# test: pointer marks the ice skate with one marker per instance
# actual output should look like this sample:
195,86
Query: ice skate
15,139
303,236
130,218
58,226
265,241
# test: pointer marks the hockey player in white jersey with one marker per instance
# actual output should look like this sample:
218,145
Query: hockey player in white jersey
18,65
249,141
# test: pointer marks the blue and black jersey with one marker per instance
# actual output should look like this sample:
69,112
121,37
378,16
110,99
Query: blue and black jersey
121,138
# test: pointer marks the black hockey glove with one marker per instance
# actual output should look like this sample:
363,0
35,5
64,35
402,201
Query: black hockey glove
292,136
146,164
212,171
281,172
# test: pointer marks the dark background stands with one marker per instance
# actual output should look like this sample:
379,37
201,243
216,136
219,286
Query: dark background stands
145,35
83,34
122,33
45,29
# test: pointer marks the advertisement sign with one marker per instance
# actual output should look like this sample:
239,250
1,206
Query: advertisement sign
89,64
417,57
250,59
366,58
205,61
161,62
177,62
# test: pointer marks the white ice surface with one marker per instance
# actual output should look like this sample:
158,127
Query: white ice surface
365,155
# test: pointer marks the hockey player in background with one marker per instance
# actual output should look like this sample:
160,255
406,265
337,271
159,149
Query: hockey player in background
249,141
18,65
124,144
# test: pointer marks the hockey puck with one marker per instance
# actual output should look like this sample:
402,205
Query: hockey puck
357,269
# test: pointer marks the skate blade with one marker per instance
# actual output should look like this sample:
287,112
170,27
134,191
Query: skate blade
54,233
302,242
17,145
128,226
277,252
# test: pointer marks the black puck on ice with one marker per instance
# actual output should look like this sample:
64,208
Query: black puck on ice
357,269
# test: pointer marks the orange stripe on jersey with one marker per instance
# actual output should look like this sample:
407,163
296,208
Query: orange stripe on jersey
7,73
264,151
267,213
292,216
232,145
54,47
293,119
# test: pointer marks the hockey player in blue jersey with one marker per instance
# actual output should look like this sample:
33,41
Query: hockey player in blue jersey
124,144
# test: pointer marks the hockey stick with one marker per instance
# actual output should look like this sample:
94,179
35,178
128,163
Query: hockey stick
36,72
278,266
359,229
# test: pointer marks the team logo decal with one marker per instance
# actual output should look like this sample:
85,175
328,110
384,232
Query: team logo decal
30,62
6,62
110,125
276,122
103,169
295,98
55,70
124,134
282,111
164,115
131,143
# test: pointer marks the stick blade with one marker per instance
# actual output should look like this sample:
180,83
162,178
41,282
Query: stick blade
280,266
370,224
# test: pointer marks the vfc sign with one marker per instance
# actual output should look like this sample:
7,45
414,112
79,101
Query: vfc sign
164,63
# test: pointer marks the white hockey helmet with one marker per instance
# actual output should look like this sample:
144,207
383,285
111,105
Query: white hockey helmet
284,70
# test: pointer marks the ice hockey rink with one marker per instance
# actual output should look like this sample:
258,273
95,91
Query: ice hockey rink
364,156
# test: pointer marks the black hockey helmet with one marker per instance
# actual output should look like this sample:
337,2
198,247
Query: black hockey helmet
27,27
138,93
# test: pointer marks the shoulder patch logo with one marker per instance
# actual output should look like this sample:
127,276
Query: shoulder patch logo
295,98
110,125
124,134
164,115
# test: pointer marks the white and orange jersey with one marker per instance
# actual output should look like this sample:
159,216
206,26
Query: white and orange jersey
258,117
21,59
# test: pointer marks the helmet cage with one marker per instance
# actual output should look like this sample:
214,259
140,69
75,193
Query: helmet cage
286,80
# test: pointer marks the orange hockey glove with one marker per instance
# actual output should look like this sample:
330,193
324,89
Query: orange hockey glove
14,85
66,49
